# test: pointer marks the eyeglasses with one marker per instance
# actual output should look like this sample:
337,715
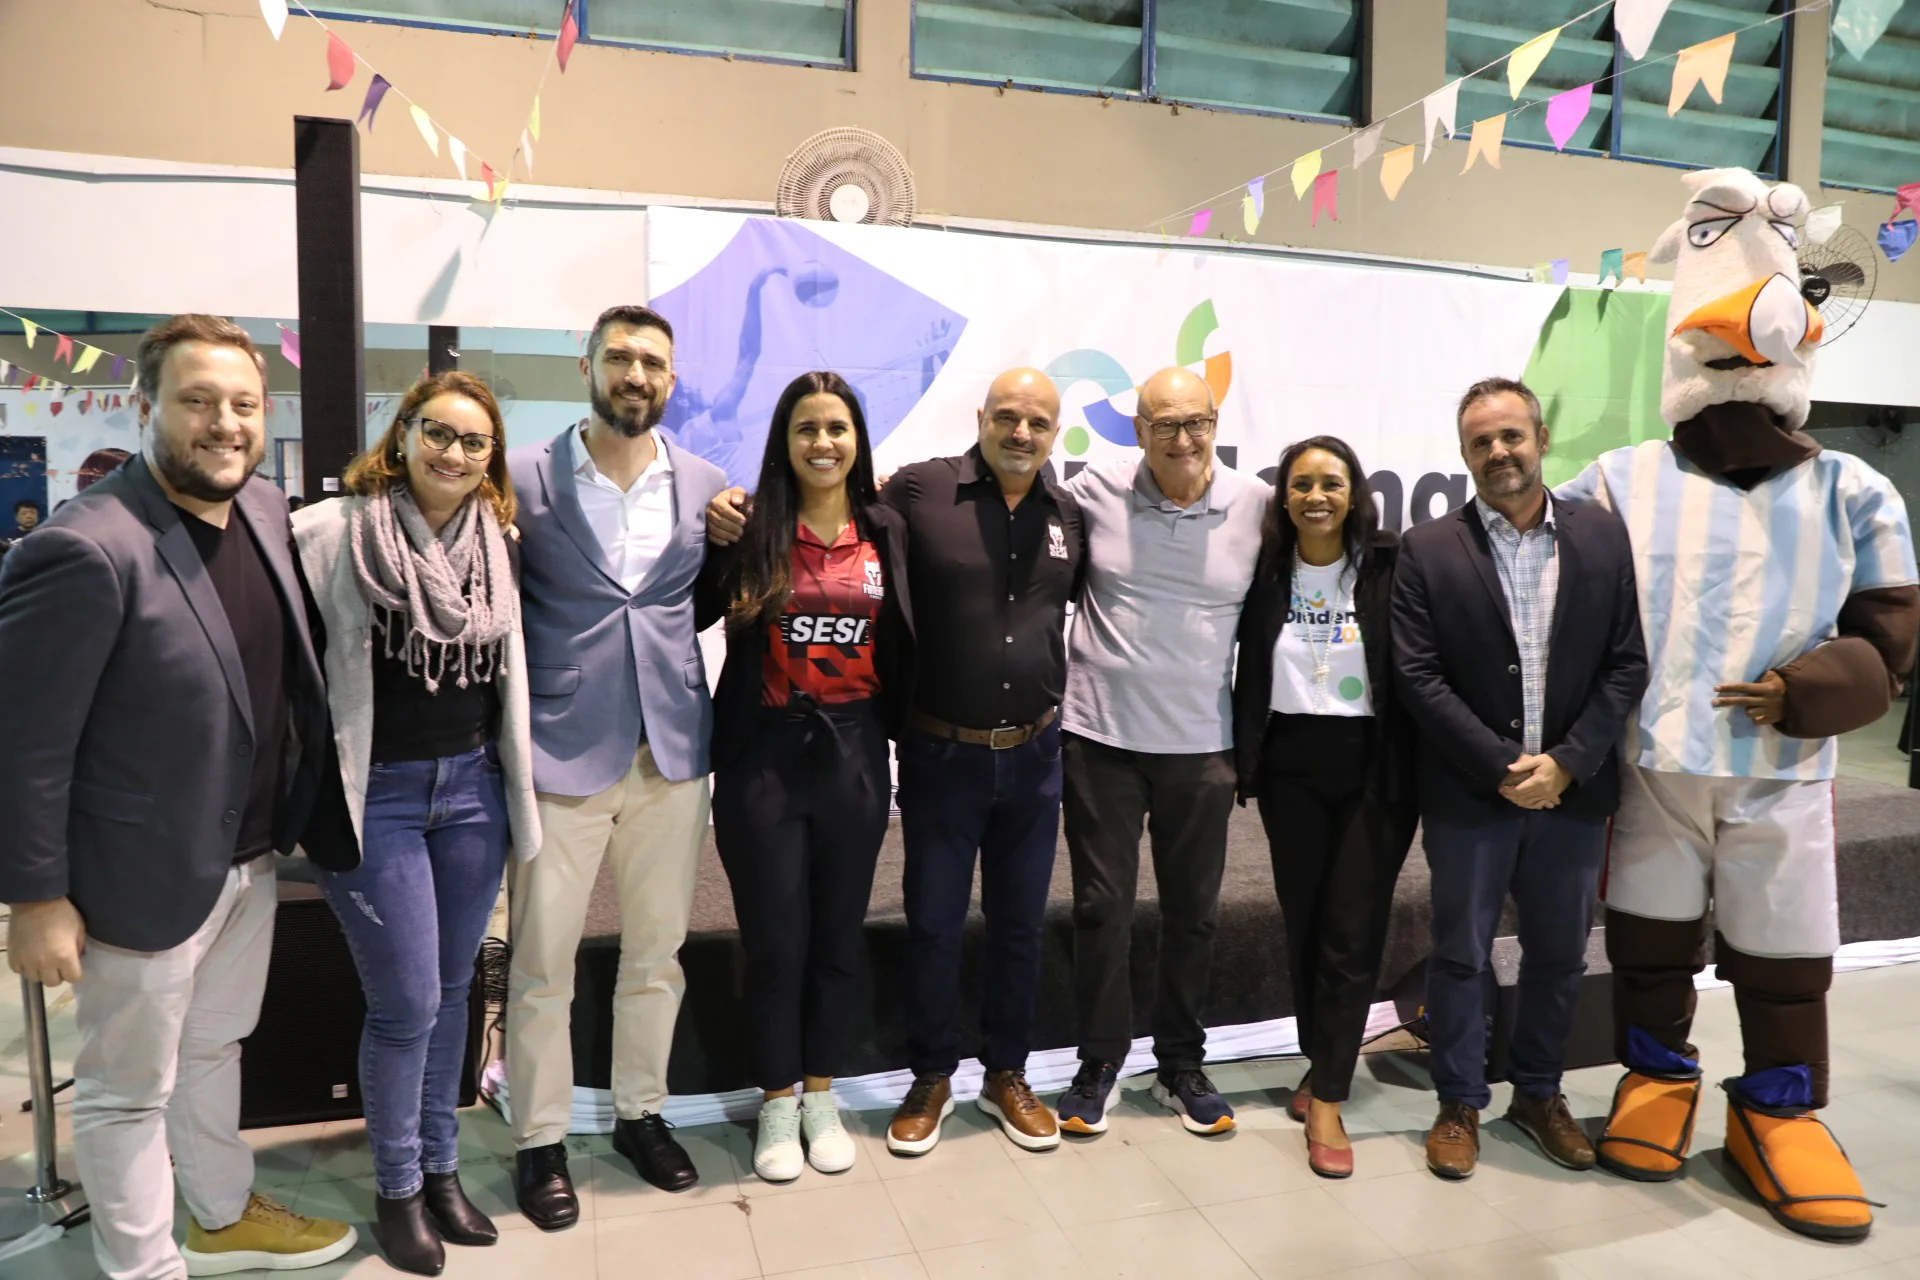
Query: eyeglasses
1196,428
439,436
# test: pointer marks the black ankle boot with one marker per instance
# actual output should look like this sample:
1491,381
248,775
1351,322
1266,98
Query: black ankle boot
407,1236
454,1214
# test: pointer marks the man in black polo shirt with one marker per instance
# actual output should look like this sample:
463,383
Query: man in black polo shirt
996,549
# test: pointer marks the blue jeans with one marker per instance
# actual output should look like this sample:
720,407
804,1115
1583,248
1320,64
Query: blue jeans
433,847
959,802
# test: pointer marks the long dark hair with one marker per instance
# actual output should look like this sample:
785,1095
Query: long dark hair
1278,536
762,574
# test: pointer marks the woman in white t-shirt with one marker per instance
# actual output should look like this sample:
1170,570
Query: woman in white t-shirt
1321,742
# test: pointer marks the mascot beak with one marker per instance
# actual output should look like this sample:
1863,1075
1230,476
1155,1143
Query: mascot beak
1767,322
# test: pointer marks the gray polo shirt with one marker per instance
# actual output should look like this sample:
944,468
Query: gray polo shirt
1150,655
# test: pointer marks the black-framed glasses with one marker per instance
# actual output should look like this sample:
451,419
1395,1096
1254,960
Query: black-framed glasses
439,436
1196,428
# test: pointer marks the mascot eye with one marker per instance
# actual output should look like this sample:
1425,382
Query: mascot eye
1787,232
1702,234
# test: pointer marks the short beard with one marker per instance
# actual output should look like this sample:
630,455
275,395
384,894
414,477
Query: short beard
1512,480
628,425
183,477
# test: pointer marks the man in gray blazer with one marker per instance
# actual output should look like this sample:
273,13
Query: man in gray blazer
612,537
156,680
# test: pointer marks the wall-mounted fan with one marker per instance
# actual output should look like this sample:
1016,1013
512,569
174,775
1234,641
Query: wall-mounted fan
847,175
1837,277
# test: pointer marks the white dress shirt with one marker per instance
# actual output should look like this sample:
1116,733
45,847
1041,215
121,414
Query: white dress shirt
635,525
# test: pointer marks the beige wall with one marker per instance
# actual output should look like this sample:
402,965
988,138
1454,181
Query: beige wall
203,81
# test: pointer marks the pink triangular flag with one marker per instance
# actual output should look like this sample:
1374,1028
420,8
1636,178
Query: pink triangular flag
289,345
1201,221
63,349
569,33
1326,195
339,63
1565,113
1704,63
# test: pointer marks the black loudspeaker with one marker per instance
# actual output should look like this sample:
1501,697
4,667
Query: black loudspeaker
302,1062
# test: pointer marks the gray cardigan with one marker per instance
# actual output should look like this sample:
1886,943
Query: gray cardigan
320,534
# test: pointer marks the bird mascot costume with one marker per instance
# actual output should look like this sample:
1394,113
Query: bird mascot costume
1777,591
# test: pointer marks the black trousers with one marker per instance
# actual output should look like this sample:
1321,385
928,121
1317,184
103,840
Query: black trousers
1184,802
1337,852
798,821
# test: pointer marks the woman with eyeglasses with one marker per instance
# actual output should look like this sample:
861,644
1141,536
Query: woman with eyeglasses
412,591
1321,741
801,787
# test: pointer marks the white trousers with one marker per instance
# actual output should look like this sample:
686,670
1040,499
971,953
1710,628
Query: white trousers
1758,850
158,1072
650,829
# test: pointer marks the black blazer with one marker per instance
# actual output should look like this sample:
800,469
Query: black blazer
736,701
1458,662
126,734
1390,771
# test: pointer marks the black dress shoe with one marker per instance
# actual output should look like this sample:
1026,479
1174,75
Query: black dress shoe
543,1188
407,1236
459,1222
655,1155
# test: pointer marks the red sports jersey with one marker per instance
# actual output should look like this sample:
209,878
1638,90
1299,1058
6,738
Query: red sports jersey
825,643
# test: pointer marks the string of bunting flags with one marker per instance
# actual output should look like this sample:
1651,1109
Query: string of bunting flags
79,357
1697,66
343,63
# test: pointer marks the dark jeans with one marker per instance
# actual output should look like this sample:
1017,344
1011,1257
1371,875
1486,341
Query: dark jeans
956,801
798,821
1337,851
434,843
1184,802
1551,864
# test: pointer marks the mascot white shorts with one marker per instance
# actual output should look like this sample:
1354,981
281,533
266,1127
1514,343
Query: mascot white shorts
1759,850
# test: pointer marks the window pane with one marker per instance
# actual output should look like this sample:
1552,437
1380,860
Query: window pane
804,30
1742,128
1298,56
1872,133
1481,31
491,15
1062,44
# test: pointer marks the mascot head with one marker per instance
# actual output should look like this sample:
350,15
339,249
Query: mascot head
1738,328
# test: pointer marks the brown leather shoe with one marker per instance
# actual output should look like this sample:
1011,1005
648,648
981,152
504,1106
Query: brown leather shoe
1548,1122
916,1124
1453,1144
1006,1096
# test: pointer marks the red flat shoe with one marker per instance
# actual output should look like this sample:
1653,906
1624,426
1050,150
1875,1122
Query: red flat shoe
1329,1162
1297,1104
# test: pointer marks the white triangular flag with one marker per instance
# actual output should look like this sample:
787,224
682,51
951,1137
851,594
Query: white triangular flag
1822,223
1438,107
1636,21
275,12
1366,143
424,123
457,152
526,149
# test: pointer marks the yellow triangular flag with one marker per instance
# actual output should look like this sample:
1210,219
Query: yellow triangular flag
89,356
1524,61
1249,215
1305,170
1637,264
1486,138
533,120
424,123
33,331
1701,64
1394,168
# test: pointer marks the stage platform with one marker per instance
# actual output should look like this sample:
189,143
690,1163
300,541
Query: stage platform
1879,829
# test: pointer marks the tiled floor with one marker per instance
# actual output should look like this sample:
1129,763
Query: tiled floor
1150,1200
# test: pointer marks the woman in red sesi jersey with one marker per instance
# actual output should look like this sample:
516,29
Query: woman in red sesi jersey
801,787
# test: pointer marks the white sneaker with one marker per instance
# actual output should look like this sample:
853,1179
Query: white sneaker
777,1156
830,1148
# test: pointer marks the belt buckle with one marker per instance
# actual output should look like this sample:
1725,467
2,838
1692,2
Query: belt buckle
993,737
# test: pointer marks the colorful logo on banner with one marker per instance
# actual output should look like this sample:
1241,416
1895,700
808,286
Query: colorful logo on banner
778,301
1108,419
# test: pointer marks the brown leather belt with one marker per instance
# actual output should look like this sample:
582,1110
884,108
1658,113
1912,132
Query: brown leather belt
1002,739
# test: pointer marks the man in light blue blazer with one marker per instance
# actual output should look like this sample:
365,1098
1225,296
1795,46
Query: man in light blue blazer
612,538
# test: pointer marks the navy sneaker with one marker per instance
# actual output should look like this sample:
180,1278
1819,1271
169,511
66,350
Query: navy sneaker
1083,1107
1189,1094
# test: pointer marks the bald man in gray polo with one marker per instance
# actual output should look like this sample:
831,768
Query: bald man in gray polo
1148,737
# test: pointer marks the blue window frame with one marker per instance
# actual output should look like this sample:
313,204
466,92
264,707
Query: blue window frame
1629,120
1870,135
1273,57
814,33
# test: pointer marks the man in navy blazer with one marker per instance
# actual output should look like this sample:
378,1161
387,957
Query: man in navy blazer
612,537
1518,652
